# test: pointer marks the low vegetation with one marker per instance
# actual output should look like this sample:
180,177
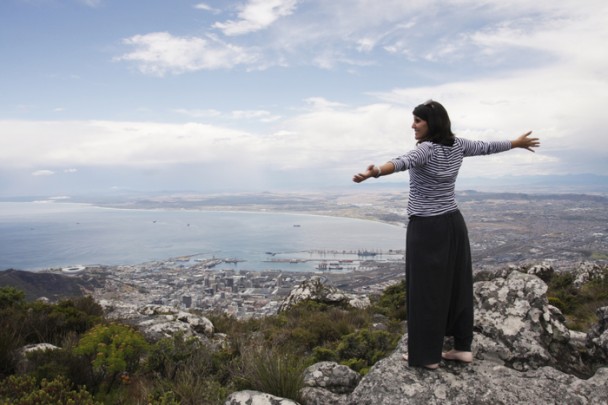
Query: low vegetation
578,304
102,362
97,361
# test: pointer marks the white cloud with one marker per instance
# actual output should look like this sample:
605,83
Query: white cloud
107,143
90,3
159,53
543,68
547,101
257,15
342,137
198,113
206,7
360,33
258,115
43,173
321,103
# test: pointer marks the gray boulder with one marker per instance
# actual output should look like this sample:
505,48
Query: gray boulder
597,338
519,327
523,353
159,321
543,271
328,383
588,271
256,398
315,289
487,381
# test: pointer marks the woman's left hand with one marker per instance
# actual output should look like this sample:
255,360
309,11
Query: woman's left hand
526,143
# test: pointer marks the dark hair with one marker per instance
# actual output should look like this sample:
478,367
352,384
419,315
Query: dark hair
436,117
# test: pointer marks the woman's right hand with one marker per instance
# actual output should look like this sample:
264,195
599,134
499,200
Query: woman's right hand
369,172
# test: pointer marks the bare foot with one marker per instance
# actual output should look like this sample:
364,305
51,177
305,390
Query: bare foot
457,355
427,366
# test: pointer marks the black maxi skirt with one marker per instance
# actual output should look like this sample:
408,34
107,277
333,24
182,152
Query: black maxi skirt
439,281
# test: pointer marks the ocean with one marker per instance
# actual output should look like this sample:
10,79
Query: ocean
43,235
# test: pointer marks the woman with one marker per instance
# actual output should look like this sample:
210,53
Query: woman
438,268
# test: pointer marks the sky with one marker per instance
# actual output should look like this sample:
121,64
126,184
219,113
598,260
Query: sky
99,96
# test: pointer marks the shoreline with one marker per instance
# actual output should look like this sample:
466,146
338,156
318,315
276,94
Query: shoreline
217,208
202,242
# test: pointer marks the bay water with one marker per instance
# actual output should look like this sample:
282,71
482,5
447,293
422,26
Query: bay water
42,235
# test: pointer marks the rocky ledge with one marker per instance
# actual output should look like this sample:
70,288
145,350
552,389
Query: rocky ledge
523,353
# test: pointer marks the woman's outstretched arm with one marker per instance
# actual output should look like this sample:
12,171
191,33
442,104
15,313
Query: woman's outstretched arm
374,171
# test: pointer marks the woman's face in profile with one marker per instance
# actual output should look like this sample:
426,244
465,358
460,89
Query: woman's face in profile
421,128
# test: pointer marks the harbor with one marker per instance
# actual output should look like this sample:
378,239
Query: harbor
304,261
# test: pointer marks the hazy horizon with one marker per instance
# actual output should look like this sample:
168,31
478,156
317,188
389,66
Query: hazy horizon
543,185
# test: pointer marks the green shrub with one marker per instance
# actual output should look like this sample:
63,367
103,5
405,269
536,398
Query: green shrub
24,390
169,355
310,324
12,327
391,302
556,302
112,350
11,339
190,372
11,297
561,281
274,372
163,398
359,365
51,364
50,323
323,354
578,304
366,347
191,388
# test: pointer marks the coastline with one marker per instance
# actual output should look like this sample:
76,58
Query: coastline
364,205
503,227
67,234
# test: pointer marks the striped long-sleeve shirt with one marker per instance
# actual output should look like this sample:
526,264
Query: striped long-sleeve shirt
433,171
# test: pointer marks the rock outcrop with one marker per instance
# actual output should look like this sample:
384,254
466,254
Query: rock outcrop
328,383
515,323
597,339
523,353
543,271
256,398
159,321
488,381
588,271
314,289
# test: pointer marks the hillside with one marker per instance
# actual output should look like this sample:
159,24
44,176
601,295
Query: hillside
41,284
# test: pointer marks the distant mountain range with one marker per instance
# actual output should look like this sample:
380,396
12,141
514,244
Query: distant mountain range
536,184
553,184
591,183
